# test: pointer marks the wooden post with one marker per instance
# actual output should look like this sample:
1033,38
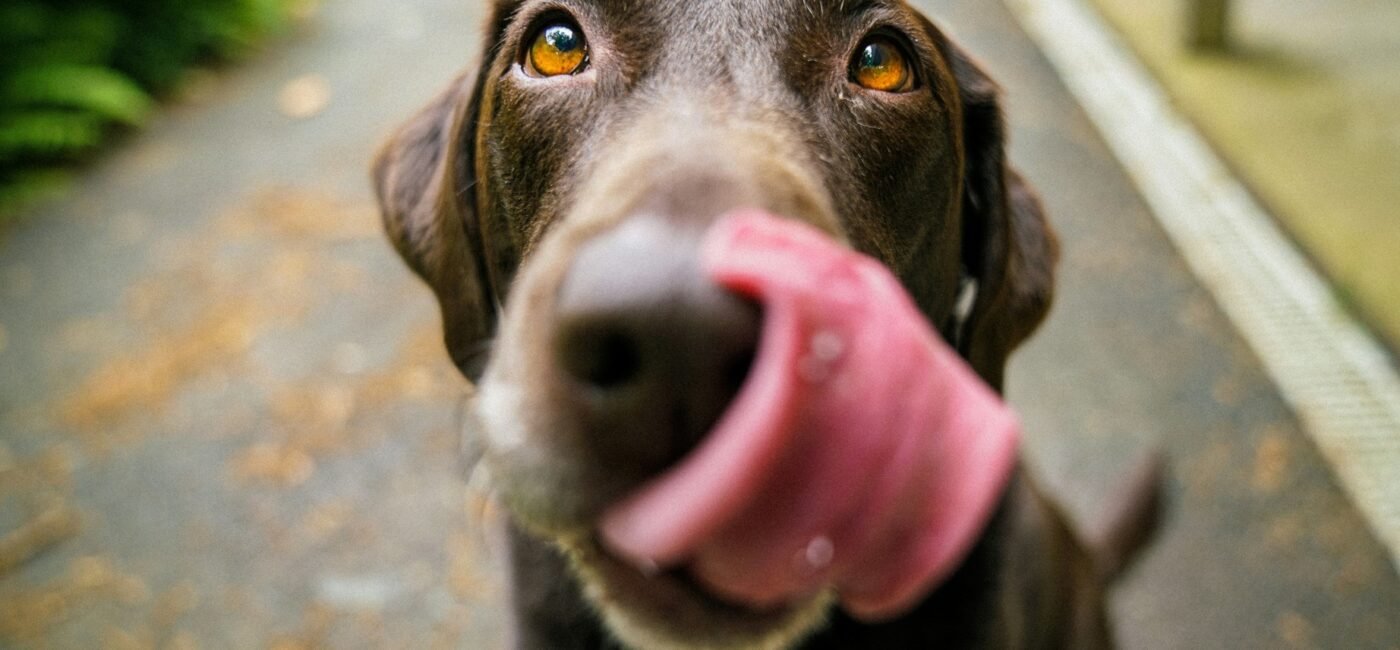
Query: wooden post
1209,24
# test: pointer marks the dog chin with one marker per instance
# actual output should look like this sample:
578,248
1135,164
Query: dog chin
669,611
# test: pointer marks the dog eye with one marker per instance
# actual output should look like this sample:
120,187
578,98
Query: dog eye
880,65
558,49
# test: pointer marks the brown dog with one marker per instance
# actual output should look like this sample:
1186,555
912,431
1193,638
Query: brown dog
554,200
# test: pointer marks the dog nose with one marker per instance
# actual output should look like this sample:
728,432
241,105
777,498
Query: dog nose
652,351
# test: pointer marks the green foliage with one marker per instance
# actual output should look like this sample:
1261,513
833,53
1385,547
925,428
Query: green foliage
44,134
74,71
88,89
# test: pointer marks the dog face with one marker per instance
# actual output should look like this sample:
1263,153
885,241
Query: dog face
554,200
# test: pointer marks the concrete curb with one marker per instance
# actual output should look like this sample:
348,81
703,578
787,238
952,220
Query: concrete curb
1335,376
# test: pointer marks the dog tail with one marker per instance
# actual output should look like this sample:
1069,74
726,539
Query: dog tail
1130,520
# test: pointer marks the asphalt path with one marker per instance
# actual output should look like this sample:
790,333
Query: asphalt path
226,420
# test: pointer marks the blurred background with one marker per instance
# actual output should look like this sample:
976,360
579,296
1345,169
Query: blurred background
76,72
227,420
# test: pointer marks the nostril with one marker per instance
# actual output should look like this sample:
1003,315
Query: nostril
736,370
648,350
601,355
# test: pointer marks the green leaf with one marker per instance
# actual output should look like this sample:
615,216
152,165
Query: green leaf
237,29
97,90
48,134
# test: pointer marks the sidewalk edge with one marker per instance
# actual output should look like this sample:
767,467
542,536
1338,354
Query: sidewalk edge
1335,376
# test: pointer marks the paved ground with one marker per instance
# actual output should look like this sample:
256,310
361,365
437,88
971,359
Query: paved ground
224,396
1305,110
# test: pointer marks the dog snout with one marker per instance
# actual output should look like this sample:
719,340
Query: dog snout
650,350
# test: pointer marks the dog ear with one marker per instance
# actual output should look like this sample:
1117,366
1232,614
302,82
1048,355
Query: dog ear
424,178
1009,249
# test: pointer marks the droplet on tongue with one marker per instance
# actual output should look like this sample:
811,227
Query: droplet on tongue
819,553
828,346
823,351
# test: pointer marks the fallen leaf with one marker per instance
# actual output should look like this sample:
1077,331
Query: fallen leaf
304,97
1271,462
284,465
48,529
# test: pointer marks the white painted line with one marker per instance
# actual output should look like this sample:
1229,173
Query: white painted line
1334,375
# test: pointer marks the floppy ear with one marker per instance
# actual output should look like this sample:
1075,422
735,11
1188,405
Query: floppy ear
424,177
1009,248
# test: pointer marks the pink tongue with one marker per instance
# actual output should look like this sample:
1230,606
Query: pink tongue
862,453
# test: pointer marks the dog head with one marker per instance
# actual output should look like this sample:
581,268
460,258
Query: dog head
554,200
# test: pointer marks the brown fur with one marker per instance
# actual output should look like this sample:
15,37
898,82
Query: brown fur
688,110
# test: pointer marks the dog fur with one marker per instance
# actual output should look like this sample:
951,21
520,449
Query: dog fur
690,109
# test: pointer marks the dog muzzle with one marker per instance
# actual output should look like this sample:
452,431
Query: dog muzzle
861,455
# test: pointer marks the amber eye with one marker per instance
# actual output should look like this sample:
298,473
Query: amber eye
881,65
558,49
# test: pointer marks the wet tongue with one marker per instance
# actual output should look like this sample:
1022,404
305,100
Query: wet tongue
861,454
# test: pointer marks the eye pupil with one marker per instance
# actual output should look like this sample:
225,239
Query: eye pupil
881,66
561,38
874,56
